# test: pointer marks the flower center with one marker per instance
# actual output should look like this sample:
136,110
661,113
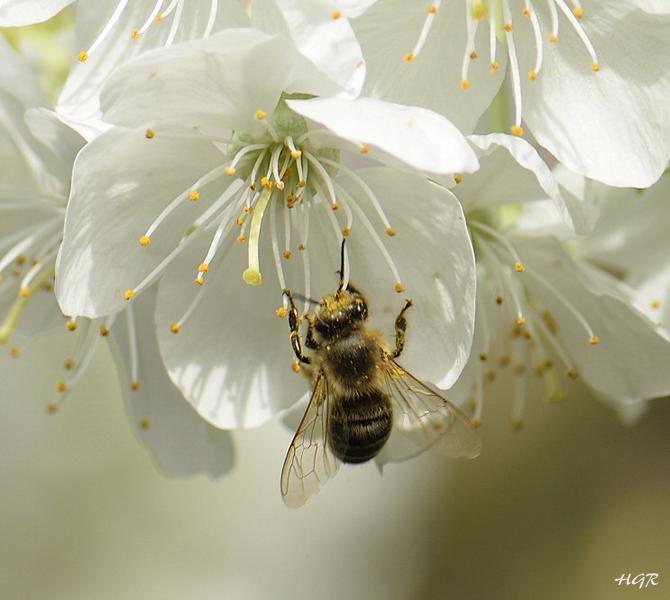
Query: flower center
529,336
500,19
161,12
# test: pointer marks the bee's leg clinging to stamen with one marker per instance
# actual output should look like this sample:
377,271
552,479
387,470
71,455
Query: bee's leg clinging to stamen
400,328
294,325
310,342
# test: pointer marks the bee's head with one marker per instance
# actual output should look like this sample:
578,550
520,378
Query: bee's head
340,312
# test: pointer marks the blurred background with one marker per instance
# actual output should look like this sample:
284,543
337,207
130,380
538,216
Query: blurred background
554,511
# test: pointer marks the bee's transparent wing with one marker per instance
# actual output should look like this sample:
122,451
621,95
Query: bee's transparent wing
309,461
423,418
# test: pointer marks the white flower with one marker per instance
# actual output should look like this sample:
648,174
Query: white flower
548,314
214,145
589,79
111,33
37,162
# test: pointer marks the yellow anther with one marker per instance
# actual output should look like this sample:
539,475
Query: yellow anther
281,312
302,183
495,65
252,277
144,424
346,231
296,154
247,209
20,260
478,9
301,247
135,34
499,300
61,387
532,75
432,10
82,56
24,292
594,340
280,185
175,328
595,67
335,205
473,55
241,238
194,195
240,221
134,385
52,408
14,352
390,231
145,240
655,303
203,267
200,280
408,57
265,182
520,320
104,330
399,287
525,12
571,373
483,357
364,149
476,423
295,366
578,12
68,364
71,325
287,254
129,294
149,134
158,18
465,84
517,424
336,14
458,178
508,27
260,114
553,38
228,170
517,130
518,267
252,187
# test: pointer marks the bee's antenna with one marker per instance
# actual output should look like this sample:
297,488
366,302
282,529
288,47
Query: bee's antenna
341,271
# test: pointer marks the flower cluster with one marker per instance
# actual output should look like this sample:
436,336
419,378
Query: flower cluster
501,162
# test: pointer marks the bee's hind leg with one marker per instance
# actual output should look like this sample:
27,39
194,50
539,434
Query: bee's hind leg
400,328
294,328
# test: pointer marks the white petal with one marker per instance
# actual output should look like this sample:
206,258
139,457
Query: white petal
631,358
232,358
513,172
434,257
226,78
182,443
613,125
404,136
14,13
121,182
391,28
329,42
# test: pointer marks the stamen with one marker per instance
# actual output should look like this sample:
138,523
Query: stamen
537,34
501,239
132,345
366,190
553,342
175,23
593,339
595,65
252,275
514,68
84,54
520,385
275,244
212,18
324,176
506,282
493,41
425,30
151,19
471,24
307,274
553,36
230,170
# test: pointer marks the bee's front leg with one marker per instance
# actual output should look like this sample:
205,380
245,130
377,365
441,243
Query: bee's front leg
294,328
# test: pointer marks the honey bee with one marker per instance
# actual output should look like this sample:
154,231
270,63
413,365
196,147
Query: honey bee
360,396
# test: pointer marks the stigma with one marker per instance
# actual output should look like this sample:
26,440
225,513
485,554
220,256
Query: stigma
503,18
